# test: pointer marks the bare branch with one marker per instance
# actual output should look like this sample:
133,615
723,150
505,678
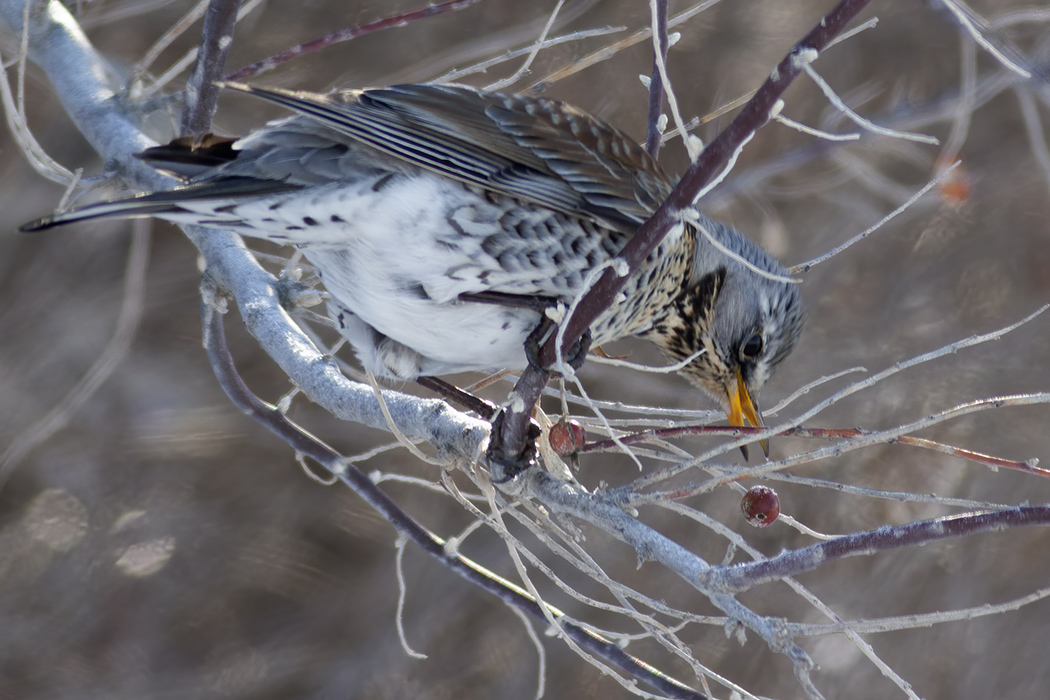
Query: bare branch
391,22
704,169
202,92
742,577
305,443
656,84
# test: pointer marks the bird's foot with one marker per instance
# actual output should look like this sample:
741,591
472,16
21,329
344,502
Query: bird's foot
575,357
578,354
504,466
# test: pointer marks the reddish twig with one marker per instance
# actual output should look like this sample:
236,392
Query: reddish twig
821,433
399,20
743,577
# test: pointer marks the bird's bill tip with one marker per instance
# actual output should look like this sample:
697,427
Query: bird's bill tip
742,410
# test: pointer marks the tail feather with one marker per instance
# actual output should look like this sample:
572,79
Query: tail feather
129,208
159,203
186,158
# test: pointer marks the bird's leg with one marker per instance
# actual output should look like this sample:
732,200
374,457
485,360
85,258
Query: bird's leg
451,392
540,304
533,302
578,354
504,467
534,343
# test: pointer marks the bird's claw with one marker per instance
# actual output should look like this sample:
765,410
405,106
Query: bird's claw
574,358
504,467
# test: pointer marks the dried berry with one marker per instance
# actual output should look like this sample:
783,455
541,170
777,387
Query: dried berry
567,437
761,506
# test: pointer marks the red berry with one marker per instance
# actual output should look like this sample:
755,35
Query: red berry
761,506
567,437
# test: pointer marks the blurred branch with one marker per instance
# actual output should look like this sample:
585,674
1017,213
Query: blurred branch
102,368
399,20
173,33
988,39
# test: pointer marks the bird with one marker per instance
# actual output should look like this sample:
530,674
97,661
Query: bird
447,222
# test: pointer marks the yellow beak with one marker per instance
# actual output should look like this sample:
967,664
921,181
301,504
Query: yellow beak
742,411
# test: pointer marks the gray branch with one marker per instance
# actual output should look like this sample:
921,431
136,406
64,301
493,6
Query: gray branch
92,99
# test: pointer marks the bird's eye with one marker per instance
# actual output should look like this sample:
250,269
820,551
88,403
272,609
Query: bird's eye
752,348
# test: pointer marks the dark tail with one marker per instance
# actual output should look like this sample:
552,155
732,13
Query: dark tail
160,203
132,207
184,159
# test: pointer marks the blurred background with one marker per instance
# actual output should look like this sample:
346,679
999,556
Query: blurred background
162,545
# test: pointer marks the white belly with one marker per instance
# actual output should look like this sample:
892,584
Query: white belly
396,258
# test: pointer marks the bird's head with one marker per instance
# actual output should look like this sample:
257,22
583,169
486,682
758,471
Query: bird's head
741,316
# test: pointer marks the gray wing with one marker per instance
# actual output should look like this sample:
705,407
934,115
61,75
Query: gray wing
529,148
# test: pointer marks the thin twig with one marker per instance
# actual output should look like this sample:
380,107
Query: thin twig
512,444
302,441
859,120
743,577
820,433
533,52
875,437
909,622
809,265
202,92
607,52
14,111
399,20
656,84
